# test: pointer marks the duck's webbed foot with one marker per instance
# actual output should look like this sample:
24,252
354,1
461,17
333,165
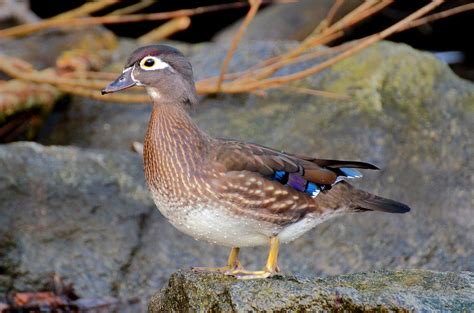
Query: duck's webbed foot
233,264
270,269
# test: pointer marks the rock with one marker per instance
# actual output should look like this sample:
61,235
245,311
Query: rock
409,114
83,214
289,21
380,291
75,213
95,124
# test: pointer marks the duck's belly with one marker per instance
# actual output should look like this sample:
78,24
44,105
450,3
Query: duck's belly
216,224
219,226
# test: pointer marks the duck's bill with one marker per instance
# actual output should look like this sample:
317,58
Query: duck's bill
124,81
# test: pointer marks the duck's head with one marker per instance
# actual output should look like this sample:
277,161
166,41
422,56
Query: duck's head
164,72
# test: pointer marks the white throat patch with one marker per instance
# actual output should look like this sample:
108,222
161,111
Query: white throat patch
153,93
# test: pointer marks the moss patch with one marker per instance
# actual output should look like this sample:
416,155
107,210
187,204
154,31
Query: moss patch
387,75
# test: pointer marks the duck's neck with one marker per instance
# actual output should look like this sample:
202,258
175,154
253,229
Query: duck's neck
173,147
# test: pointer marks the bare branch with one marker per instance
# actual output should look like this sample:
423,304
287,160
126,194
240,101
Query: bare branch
85,9
440,15
84,21
254,5
164,31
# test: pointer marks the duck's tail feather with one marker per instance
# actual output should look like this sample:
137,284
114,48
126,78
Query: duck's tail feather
365,201
376,203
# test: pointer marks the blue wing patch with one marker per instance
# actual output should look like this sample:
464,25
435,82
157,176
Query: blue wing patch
279,175
312,189
297,182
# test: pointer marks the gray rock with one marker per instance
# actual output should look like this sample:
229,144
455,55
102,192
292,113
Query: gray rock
381,291
72,212
89,123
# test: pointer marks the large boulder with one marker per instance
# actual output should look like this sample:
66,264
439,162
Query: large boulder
381,291
78,214
86,214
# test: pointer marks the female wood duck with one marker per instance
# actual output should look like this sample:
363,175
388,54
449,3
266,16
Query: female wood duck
229,192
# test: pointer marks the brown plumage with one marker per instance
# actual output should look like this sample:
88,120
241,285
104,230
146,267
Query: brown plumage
226,191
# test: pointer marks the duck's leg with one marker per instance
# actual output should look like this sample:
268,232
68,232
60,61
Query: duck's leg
233,264
270,268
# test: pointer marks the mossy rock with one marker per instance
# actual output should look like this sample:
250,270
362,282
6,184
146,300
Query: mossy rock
381,291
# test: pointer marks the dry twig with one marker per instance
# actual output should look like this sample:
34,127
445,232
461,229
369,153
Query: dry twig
254,5
164,31
275,81
440,15
85,9
133,8
95,94
257,78
114,19
268,67
314,92
329,17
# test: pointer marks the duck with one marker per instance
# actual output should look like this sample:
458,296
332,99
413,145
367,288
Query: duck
229,192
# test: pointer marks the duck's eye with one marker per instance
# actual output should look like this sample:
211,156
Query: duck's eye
151,63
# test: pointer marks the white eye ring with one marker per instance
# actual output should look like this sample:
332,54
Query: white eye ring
151,63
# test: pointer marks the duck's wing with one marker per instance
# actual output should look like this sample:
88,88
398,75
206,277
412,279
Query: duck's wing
276,185
281,166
